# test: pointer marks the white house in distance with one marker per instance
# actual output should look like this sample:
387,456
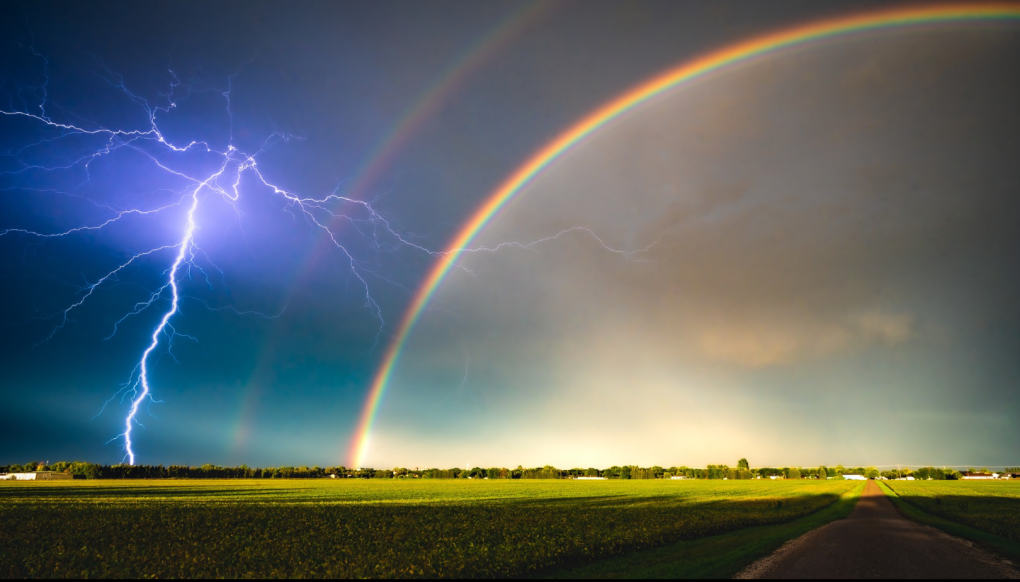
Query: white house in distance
855,477
36,476
583,478
983,476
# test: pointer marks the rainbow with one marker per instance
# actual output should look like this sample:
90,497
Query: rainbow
688,71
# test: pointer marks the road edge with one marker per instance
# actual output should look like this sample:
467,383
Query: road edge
1004,549
719,556
762,565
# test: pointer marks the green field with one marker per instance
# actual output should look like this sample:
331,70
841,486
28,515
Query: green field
991,506
359,528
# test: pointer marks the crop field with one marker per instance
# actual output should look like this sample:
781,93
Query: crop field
991,506
358,528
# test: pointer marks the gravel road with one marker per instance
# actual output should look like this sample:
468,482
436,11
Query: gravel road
877,542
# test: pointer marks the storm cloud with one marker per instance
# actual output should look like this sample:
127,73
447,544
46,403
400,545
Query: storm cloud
820,267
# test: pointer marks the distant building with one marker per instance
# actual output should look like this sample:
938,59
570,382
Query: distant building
36,476
855,477
590,478
678,477
973,476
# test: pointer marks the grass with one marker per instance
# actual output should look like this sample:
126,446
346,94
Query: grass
984,512
720,556
384,528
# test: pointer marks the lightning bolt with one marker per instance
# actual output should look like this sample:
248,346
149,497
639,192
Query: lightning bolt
320,213
530,246
187,259
143,375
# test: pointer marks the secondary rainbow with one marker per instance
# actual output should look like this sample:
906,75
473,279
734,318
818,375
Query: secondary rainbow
688,71
439,92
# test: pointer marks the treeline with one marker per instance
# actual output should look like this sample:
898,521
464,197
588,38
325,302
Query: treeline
96,471
741,471
933,473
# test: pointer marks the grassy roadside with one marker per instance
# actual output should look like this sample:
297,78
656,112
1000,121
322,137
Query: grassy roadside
719,556
1002,546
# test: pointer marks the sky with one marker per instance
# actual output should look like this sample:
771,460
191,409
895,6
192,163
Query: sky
806,258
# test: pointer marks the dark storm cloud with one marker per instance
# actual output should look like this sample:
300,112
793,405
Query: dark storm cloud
704,172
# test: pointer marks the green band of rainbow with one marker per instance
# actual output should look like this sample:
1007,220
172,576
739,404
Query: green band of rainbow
686,72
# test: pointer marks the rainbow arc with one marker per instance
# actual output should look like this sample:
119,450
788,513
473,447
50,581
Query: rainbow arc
689,71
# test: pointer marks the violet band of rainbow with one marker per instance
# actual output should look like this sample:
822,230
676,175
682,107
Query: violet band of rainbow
736,53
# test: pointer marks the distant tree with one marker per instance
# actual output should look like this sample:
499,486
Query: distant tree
742,464
823,473
872,474
793,473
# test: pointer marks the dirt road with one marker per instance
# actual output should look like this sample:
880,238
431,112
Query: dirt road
877,542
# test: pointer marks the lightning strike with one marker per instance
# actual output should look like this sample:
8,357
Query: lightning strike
225,183
320,214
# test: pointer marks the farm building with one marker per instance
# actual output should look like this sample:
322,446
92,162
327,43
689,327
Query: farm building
970,475
36,476
855,477
678,477
581,478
